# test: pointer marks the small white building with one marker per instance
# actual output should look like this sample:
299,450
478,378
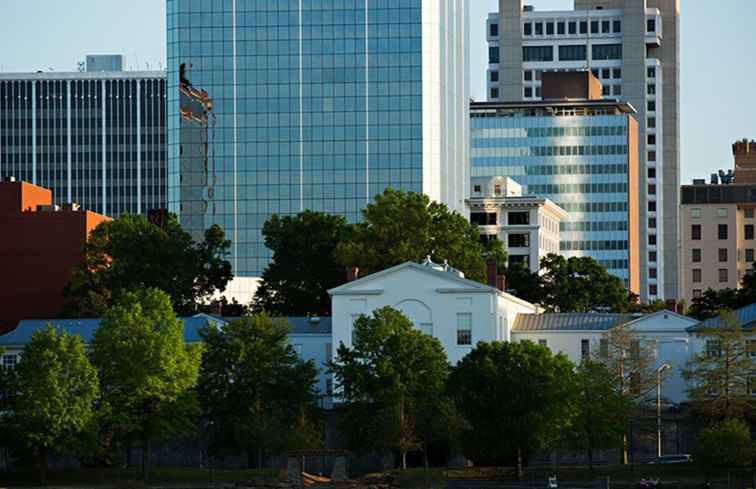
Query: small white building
437,299
528,225
579,336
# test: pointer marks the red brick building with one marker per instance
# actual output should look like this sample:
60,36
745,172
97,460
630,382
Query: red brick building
40,244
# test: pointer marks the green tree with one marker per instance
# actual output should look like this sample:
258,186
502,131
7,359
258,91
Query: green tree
580,285
523,283
725,444
601,411
720,377
256,393
514,397
304,265
406,226
55,387
131,253
392,385
147,373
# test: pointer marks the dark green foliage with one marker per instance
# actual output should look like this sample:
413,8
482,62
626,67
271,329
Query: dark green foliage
406,226
147,373
304,265
726,444
130,253
712,301
257,395
523,283
515,399
392,383
580,285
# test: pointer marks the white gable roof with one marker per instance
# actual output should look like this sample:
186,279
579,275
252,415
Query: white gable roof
662,321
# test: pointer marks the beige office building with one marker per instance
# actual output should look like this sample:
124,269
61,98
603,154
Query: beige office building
717,221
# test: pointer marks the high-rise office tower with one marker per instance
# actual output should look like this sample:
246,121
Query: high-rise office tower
94,137
633,47
276,106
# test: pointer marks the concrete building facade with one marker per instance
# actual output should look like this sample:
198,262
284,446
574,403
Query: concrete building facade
582,155
632,46
277,107
41,244
96,138
528,225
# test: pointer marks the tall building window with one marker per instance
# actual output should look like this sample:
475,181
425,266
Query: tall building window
606,73
695,213
494,30
748,213
585,350
748,231
652,206
518,240
651,89
493,54
652,240
722,255
528,92
617,26
651,25
527,75
652,122
696,275
494,93
560,28
749,255
538,53
572,53
652,256
583,27
722,275
572,27
695,232
652,273
606,27
527,29
653,290
607,51
722,231
594,27
464,328
651,72
494,76
483,218
651,105
652,222
518,218
538,29
651,139
652,156
549,28
652,189
651,173
617,73
722,212
695,255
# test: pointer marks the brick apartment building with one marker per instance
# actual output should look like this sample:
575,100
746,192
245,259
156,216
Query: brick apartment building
40,244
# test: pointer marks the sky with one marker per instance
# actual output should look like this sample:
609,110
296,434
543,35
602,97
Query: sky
718,100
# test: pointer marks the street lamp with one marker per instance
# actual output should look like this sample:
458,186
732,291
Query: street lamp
664,366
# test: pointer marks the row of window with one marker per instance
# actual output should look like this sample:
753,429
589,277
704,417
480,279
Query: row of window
722,231
566,53
577,188
608,169
594,226
490,218
722,212
581,245
722,255
577,150
561,28
722,275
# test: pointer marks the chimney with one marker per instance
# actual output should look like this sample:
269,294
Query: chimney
352,273
491,273
745,161
501,283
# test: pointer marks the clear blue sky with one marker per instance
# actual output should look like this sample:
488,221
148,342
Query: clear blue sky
717,83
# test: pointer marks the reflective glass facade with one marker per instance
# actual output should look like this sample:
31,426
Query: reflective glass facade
584,163
276,106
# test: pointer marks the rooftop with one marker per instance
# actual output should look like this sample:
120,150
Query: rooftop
570,322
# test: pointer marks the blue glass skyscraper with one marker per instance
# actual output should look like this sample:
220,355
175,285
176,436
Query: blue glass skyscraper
275,106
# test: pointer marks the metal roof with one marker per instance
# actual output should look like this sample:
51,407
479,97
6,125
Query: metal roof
746,317
569,322
310,325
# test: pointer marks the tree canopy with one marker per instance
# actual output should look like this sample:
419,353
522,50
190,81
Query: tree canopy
515,398
257,395
130,253
392,384
725,444
55,387
304,265
580,285
147,373
406,226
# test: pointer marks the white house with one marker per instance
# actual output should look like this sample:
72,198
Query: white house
577,335
437,299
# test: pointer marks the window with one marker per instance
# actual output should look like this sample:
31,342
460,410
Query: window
722,255
494,76
518,240
606,73
494,30
695,255
549,28
493,55
722,231
696,275
543,343
476,189
518,218
607,51
651,139
696,293
583,27
605,90
497,190
749,231
652,222
560,28
652,239
617,26
722,275
527,29
494,93
652,122
537,53
651,172
651,72
713,348
572,53
652,156
572,27
538,92
527,75
594,27
617,89
653,273
653,290
9,361
464,328
617,73
695,213
528,92
652,189
604,348
749,255
483,218
538,29
651,105
652,206
651,89
651,25
748,213
595,72
585,350
606,27
652,256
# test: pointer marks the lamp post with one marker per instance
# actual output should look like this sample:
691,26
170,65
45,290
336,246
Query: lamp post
662,368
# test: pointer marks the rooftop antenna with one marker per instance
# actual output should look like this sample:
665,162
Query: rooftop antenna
81,66
148,65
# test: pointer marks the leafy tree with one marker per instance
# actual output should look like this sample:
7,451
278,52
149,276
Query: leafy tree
256,393
725,444
147,373
601,411
636,306
514,397
304,265
720,376
580,285
392,385
712,301
55,387
131,253
523,283
406,226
